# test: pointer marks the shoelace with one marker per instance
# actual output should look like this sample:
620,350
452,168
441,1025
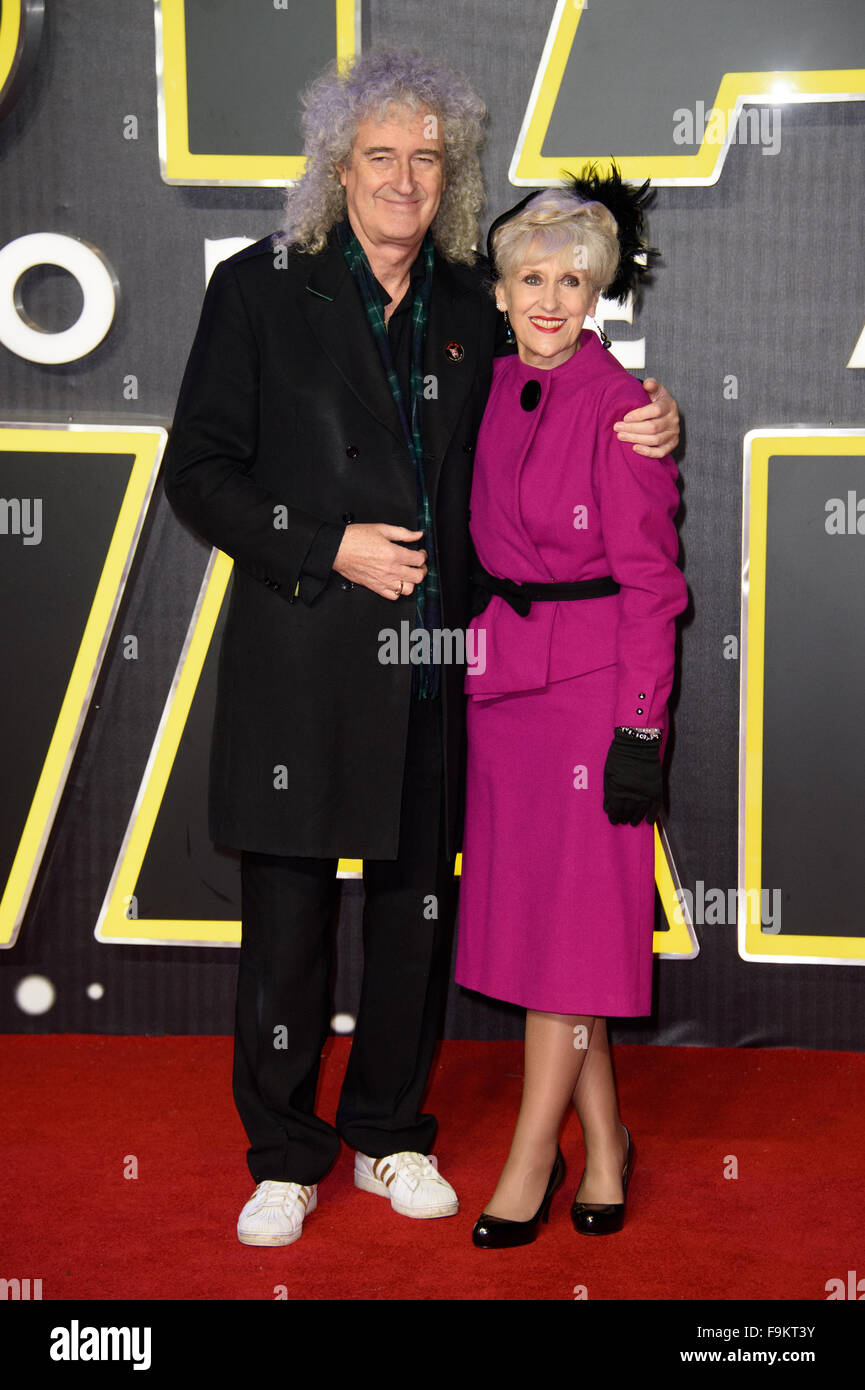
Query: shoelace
273,1193
414,1168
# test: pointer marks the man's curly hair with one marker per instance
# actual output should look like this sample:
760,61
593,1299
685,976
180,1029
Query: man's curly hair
333,107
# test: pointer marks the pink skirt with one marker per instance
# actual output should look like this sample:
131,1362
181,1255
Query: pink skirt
557,905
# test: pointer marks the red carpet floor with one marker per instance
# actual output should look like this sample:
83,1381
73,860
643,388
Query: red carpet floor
81,1110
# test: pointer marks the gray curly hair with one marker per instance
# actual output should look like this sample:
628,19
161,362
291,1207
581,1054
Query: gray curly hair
335,104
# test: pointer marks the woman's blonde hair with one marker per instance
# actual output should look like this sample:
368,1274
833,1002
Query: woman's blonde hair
555,223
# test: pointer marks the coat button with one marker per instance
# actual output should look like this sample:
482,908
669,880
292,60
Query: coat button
348,518
642,695
347,584
352,451
639,711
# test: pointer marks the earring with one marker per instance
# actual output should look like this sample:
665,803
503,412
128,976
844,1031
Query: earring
509,331
605,341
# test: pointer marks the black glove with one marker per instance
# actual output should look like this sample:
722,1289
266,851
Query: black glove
633,784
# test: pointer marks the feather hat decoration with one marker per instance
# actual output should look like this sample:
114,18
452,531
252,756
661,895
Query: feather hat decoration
628,206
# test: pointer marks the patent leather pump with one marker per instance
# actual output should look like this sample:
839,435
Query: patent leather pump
604,1218
498,1233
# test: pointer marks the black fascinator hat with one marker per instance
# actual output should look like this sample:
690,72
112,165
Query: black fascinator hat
628,205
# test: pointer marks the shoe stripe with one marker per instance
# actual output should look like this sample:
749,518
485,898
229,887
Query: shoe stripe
383,1171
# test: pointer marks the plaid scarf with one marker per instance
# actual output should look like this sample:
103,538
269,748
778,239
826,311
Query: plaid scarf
425,678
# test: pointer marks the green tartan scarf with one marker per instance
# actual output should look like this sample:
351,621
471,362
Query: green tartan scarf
425,678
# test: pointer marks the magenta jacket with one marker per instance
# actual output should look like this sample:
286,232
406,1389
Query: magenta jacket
556,496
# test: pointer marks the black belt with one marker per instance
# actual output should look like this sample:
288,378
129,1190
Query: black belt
522,596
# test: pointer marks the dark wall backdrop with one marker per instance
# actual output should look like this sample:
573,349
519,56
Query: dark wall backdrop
762,280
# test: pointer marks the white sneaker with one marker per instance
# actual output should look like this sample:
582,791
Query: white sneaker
274,1213
411,1181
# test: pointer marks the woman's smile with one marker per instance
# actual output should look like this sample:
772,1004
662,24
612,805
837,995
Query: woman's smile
547,325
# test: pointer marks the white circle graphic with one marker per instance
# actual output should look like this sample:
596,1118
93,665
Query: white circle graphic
98,287
35,994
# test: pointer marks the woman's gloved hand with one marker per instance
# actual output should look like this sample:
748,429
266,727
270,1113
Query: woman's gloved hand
633,782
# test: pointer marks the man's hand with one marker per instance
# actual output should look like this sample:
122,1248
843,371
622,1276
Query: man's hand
379,557
653,429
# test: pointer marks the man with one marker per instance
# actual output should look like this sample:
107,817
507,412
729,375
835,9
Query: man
323,438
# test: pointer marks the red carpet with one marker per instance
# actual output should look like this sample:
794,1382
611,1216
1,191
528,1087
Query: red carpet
79,1109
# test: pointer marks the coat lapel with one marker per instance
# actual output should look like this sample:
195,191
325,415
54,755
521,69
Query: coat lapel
451,360
334,312
332,307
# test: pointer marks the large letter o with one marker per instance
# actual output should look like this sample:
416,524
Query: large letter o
98,286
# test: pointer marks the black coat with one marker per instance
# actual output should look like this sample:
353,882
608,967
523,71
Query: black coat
284,404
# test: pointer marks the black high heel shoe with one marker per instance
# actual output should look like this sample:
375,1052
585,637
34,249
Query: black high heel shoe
498,1233
604,1218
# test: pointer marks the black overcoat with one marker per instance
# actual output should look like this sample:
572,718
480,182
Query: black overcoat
285,420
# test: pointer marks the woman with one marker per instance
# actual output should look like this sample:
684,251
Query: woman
567,720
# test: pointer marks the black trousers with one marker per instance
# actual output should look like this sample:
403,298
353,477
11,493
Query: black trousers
283,988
